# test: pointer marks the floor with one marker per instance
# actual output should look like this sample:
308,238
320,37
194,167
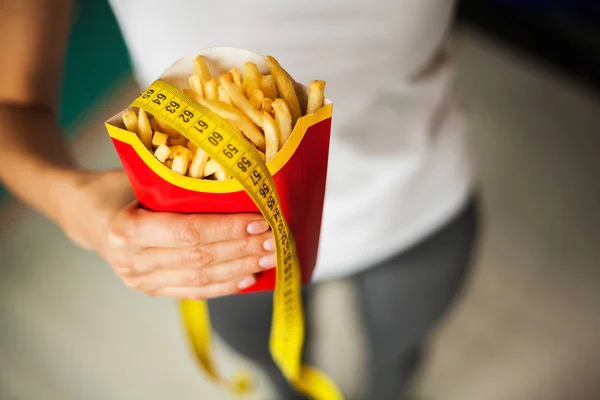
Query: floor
527,327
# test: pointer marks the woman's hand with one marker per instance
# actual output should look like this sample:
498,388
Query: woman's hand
195,256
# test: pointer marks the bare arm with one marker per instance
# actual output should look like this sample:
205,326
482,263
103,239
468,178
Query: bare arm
35,163
159,254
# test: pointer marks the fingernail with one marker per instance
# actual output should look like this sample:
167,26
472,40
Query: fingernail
268,261
246,282
256,227
269,244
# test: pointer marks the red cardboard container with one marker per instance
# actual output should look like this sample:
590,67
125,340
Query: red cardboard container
299,169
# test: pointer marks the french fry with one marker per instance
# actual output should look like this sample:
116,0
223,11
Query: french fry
193,148
144,129
198,164
268,87
179,149
178,140
285,87
172,132
162,153
153,124
223,96
169,164
221,174
211,167
181,159
257,98
315,96
237,77
271,137
267,105
211,91
130,119
194,95
240,101
159,139
236,118
180,164
283,117
196,85
251,79
201,69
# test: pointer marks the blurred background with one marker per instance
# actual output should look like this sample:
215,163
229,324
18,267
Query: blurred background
528,324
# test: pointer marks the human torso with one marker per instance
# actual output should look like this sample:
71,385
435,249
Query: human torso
399,165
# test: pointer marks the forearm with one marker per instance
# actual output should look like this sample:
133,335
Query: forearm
35,162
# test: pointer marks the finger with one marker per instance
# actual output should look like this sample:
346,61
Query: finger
156,258
201,277
207,292
136,227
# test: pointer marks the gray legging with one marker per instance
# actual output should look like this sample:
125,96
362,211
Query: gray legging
400,300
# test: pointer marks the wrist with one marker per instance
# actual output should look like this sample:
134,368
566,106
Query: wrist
87,201
66,194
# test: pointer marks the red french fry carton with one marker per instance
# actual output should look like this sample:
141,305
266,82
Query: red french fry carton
299,169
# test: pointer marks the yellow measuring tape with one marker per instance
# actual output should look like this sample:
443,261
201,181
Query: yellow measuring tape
238,156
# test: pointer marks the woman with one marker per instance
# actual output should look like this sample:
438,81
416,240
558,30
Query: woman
399,219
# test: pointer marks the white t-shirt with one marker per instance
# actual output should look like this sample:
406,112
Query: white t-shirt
394,176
